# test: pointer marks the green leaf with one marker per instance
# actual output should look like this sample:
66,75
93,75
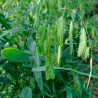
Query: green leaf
31,43
38,75
69,91
5,80
26,93
15,54
8,67
2,43
12,30
9,12
90,75
42,68
59,54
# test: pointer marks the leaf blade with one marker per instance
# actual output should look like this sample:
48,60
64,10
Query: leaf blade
15,54
26,93
12,30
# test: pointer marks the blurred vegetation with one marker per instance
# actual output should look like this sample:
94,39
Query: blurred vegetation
49,48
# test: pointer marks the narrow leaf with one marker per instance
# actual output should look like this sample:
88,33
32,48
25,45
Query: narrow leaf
59,54
12,30
90,75
42,68
38,75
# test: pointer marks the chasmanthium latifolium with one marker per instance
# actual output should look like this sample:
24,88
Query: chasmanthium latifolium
50,43
83,50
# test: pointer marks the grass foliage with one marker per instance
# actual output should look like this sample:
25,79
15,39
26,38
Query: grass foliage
48,49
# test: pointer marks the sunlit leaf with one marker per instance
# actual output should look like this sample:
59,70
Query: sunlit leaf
15,54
